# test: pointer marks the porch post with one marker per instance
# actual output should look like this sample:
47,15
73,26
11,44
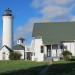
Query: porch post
51,50
58,46
58,50
45,51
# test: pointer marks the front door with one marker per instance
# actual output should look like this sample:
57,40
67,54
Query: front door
48,50
28,55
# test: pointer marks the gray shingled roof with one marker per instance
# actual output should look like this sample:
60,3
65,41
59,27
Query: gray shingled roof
18,47
54,32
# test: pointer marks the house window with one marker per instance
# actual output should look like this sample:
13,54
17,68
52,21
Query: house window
61,46
55,46
65,47
42,49
3,55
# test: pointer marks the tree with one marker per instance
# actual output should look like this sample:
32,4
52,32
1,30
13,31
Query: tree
66,55
15,56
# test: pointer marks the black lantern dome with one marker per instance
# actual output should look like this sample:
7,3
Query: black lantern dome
21,38
7,12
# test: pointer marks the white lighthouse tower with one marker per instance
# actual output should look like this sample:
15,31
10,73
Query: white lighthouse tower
7,28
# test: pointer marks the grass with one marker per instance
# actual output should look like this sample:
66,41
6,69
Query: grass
21,67
62,68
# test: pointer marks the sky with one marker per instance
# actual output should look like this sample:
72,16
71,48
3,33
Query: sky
28,12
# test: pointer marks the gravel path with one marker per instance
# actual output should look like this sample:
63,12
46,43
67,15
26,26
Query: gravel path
43,72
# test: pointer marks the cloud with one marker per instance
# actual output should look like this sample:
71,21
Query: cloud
23,30
26,30
42,3
0,42
63,2
50,11
72,19
53,8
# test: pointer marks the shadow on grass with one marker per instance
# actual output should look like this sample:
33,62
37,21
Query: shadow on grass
30,71
62,69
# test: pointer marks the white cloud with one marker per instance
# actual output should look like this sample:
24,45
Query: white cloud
0,42
63,1
72,19
42,3
53,8
23,30
50,10
26,30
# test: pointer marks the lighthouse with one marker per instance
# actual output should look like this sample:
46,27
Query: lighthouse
7,28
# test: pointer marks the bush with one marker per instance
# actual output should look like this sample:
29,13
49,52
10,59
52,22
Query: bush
73,58
67,55
15,56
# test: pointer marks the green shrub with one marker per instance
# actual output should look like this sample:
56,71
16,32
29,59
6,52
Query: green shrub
67,55
15,56
73,58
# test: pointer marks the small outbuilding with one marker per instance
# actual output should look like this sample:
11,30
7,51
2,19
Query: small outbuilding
5,52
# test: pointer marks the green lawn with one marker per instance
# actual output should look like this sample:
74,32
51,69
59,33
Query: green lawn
33,68
62,68
21,67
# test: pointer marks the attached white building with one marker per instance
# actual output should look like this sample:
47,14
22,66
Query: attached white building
20,48
5,52
50,39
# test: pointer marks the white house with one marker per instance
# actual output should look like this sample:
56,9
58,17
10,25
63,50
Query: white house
50,39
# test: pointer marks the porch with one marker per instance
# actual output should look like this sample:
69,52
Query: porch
53,52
